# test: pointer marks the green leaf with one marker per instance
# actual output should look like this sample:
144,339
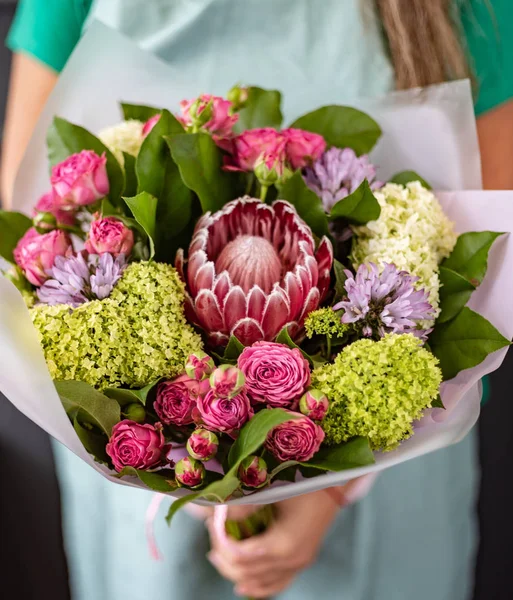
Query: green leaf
455,292
233,349
360,207
158,483
144,208
340,279
139,112
200,163
124,397
262,109
13,226
470,255
350,455
342,126
254,434
464,342
93,442
130,175
437,402
405,177
307,203
284,338
88,405
65,138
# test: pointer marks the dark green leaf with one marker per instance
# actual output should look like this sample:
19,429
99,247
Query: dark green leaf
89,405
342,126
307,203
124,397
144,208
350,455
405,177
200,163
437,402
262,109
65,138
13,226
359,208
139,112
233,349
464,342
470,255
455,292
93,442
130,175
340,279
284,338
155,481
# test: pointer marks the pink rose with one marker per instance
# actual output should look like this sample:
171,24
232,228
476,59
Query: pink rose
80,180
314,404
46,204
303,147
249,146
219,120
223,414
109,235
227,381
35,253
189,472
297,439
150,124
135,445
253,472
199,365
176,399
275,374
203,444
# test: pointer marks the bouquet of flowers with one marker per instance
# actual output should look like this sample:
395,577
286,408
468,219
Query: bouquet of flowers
233,310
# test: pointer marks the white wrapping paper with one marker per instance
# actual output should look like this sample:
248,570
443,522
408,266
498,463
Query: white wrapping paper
431,131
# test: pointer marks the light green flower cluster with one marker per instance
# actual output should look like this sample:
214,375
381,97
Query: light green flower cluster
411,232
126,137
377,389
324,321
133,337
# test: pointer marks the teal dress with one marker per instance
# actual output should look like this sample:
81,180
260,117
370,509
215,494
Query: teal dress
414,535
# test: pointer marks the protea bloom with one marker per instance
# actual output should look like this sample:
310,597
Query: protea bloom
252,270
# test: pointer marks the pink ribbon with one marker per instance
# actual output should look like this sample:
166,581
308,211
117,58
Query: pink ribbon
149,525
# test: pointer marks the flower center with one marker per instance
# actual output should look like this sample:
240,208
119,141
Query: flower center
250,260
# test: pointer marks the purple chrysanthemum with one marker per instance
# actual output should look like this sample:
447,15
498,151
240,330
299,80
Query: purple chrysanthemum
77,279
338,173
384,302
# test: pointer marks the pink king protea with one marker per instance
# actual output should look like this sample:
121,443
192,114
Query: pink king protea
252,270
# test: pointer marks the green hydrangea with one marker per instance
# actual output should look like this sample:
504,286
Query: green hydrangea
325,321
131,338
377,390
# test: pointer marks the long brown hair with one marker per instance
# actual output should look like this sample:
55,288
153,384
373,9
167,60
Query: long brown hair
424,41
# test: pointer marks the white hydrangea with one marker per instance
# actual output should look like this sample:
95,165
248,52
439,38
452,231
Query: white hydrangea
126,136
412,232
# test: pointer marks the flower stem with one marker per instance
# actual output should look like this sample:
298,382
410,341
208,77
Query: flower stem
263,192
328,346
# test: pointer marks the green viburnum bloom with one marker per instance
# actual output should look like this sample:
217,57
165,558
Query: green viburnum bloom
377,390
325,321
136,335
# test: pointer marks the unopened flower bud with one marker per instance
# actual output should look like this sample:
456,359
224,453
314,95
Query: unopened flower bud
314,404
238,96
227,381
271,168
135,412
203,444
44,222
253,472
201,112
199,366
189,472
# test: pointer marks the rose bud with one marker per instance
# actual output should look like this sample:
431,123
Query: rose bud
199,365
223,414
35,253
189,472
275,374
208,113
253,472
176,399
314,404
303,147
227,381
203,444
297,439
46,204
135,445
271,166
238,96
135,412
44,222
80,180
150,124
109,235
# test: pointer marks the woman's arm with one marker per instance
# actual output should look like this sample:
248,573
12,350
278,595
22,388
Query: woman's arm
495,130
30,85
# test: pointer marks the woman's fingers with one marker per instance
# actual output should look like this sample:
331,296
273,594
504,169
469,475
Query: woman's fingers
260,590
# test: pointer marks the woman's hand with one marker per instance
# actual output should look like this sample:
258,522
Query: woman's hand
266,564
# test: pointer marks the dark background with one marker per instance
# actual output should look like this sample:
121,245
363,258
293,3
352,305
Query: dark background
32,559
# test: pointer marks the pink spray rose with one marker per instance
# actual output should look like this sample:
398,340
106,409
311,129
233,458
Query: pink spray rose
314,404
223,414
219,120
203,444
227,381
303,147
297,439
135,445
109,235
253,472
250,145
35,253
271,166
176,399
199,365
46,204
150,124
275,374
80,180
189,472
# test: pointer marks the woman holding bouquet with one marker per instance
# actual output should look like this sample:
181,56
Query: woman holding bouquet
413,534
